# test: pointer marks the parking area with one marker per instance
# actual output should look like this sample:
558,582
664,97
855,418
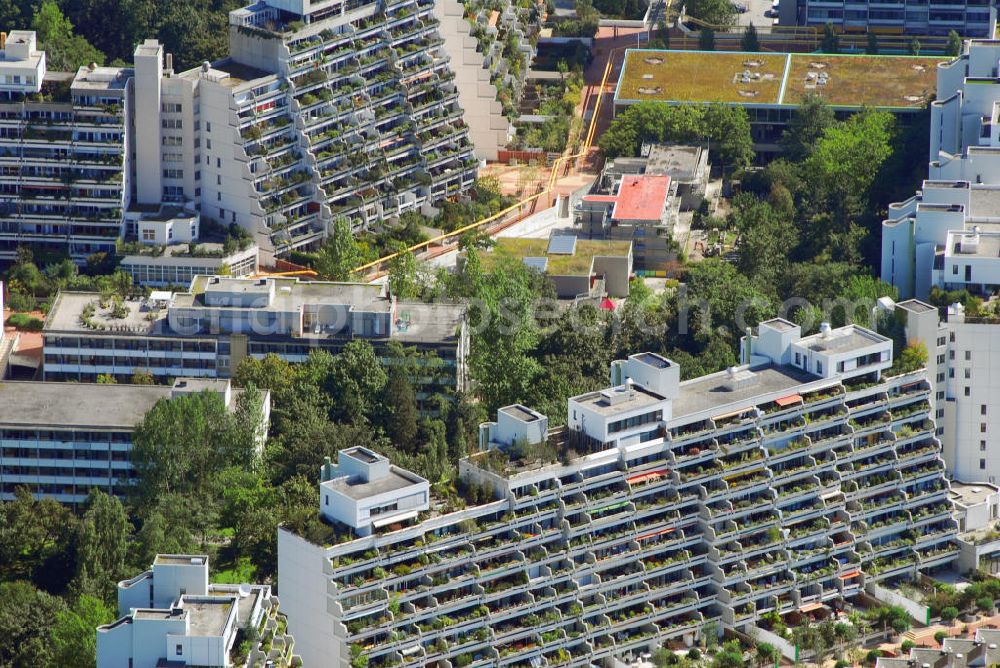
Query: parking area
756,14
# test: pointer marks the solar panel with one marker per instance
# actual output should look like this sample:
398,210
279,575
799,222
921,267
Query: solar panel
562,244
539,263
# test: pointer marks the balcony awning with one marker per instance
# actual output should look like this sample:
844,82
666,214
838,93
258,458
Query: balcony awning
790,400
394,519
655,533
848,576
649,475
729,415
809,607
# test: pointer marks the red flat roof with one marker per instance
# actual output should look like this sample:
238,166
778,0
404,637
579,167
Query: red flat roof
641,197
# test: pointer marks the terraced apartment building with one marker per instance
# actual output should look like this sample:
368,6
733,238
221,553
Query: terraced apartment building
663,510
321,110
63,152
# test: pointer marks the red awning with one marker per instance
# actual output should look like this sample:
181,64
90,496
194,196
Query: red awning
649,475
790,400
607,304
848,576
655,533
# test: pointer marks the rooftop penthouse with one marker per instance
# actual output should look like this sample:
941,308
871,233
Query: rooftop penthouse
981,650
171,615
22,65
786,484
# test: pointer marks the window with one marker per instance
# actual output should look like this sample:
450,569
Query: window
940,396
173,157
982,409
968,355
951,336
798,359
940,359
819,367
218,179
218,163
173,173
942,341
982,427
171,141
326,499
982,446
940,413
171,107
208,127
951,373
968,392
968,374
179,650
954,269
378,510
208,143
951,354
149,235
982,464
172,124
940,377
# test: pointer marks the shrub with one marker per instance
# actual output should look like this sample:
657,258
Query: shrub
842,664
907,645
949,614
872,657
939,637
694,654
984,603
25,322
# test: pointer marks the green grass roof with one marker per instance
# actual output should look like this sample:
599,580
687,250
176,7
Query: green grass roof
771,79
559,265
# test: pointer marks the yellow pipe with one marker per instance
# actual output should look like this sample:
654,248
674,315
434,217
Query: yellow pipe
553,177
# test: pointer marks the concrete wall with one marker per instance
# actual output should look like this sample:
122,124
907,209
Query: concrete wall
303,596
920,613
488,128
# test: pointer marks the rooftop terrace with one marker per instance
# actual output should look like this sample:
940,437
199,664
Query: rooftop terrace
579,263
761,79
30,404
358,488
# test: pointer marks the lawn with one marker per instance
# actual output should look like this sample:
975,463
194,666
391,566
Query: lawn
874,81
559,265
694,76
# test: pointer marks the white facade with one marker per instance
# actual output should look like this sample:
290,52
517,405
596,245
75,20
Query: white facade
22,65
171,615
365,491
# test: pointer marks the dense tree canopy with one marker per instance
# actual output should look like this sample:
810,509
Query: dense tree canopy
725,127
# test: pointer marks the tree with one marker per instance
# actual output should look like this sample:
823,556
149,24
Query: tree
400,408
914,47
954,45
106,379
339,256
356,381
102,546
830,42
142,377
715,13
766,239
27,616
74,642
36,541
403,273
64,50
181,445
706,39
766,654
872,46
809,122
750,41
